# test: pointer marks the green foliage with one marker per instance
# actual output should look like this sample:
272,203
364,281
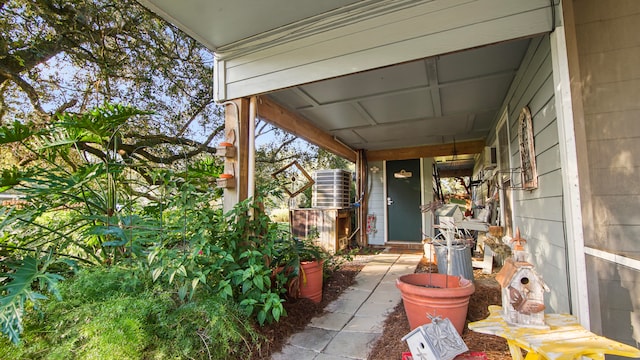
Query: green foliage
81,203
84,202
18,293
114,313
64,183
229,255
17,132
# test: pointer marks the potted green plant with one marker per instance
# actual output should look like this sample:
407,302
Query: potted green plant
300,261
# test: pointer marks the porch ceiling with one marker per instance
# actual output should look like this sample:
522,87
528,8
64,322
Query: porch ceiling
429,101
424,102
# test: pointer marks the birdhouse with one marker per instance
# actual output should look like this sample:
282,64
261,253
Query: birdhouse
522,289
437,340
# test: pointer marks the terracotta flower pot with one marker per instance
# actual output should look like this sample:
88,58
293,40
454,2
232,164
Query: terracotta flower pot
311,280
436,295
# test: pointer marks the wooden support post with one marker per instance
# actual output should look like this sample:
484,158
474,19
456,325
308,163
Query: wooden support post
236,124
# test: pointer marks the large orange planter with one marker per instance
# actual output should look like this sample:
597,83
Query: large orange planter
311,280
448,298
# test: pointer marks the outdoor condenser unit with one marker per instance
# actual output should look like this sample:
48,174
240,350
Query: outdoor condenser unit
331,189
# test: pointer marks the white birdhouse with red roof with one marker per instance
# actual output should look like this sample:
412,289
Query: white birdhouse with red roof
522,289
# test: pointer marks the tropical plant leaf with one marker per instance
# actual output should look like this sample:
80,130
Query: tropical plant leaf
102,121
16,132
10,178
19,290
110,230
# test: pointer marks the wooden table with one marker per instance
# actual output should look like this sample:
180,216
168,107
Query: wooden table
565,339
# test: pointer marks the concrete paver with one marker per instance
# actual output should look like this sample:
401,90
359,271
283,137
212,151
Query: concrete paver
331,321
371,309
293,352
372,324
367,282
349,301
352,323
312,338
354,345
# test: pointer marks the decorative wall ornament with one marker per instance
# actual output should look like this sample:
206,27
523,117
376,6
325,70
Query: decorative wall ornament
527,150
293,179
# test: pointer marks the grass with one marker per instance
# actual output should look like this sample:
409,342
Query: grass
111,314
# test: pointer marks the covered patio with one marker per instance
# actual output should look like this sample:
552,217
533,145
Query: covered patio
371,81
384,82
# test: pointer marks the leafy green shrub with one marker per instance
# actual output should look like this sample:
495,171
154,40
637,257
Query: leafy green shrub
223,255
90,202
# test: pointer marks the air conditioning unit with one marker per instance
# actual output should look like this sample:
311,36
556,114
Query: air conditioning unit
490,158
331,189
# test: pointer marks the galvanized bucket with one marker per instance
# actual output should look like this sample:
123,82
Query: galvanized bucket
461,264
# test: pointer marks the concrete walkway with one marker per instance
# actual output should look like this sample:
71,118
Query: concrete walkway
352,323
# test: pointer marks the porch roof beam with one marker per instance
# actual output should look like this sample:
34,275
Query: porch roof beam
427,151
295,124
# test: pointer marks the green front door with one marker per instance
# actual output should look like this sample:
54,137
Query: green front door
403,200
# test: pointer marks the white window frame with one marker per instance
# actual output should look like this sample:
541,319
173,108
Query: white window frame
500,176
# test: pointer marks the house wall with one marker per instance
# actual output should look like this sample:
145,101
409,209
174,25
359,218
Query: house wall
608,49
539,213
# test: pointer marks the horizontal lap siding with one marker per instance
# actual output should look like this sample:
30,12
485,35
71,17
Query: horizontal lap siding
539,213
608,50
618,293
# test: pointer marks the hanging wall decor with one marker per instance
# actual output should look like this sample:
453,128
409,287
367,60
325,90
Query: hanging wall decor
527,151
293,179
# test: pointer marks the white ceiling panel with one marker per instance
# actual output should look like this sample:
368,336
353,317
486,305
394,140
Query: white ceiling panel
470,64
473,96
370,83
337,116
482,121
415,129
294,99
400,107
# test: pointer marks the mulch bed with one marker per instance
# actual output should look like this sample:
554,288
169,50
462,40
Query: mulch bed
389,346
301,311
